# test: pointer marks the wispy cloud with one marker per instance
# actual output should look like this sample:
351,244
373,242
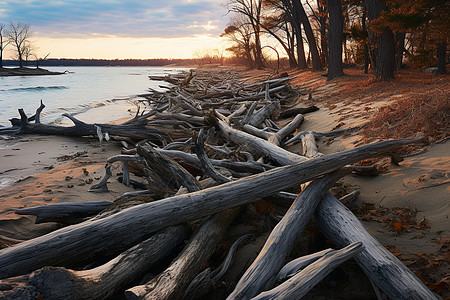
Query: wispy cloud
126,18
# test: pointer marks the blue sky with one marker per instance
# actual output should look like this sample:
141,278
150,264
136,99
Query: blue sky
124,21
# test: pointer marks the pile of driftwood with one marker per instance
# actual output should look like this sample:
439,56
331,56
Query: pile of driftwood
205,146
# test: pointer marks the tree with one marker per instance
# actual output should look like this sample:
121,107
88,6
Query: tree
385,66
303,18
239,32
3,43
18,35
335,68
252,11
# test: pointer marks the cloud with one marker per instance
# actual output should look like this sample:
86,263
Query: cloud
133,18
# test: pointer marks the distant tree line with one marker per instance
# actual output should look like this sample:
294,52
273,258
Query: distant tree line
105,62
379,34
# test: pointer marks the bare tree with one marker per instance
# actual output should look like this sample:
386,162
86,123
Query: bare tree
240,33
19,34
3,43
252,11
40,59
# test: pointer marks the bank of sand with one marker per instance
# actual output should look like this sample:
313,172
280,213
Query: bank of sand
40,170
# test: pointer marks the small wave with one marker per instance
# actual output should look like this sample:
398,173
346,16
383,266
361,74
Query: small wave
38,88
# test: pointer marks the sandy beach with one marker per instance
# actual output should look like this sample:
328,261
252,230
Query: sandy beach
40,170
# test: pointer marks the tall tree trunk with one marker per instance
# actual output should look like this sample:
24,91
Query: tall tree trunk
385,65
441,57
301,60
335,68
399,46
323,34
303,18
386,55
366,46
258,51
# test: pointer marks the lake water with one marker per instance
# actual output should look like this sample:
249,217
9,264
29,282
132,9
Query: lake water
82,89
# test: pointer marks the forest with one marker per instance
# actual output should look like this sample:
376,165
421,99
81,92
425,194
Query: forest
381,36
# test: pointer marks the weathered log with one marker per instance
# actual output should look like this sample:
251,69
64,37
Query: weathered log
164,173
57,248
257,132
83,129
65,213
102,186
305,280
286,130
172,282
106,280
200,151
250,166
270,109
342,227
261,275
295,111
309,146
275,153
294,266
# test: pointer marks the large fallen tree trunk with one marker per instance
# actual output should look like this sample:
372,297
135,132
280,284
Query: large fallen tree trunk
261,275
108,279
342,227
96,236
80,128
66,213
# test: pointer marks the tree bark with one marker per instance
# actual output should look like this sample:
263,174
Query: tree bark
261,275
305,280
442,57
385,270
99,236
303,18
66,213
335,36
172,282
106,280
385,66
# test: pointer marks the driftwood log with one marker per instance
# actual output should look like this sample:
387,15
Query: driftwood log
305,280
65,213
106,280
261,275
388,273
294,266
136,131
56,248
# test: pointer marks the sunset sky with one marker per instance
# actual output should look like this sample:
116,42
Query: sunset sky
120,29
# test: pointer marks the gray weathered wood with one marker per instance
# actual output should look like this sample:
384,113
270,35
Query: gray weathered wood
305,280
261,275
309,146
286,130
258,118
106,280
296,265
342,227
67,212
173,281
260,146
57,248
164,173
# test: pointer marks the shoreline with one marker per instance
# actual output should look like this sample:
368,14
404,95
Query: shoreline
420,183
5,72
